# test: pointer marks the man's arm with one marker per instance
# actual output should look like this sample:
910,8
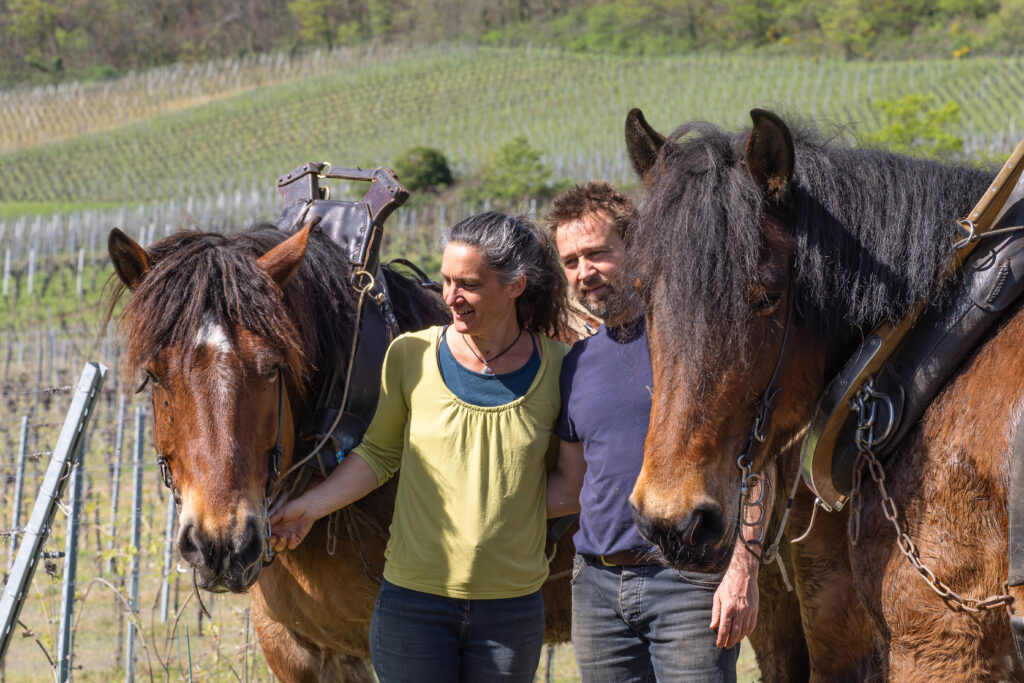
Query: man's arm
734,613
566,480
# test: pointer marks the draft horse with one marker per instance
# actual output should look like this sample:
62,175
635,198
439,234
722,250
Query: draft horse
234,334
741,236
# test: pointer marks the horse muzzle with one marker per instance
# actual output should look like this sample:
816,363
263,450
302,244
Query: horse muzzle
222,563
698,542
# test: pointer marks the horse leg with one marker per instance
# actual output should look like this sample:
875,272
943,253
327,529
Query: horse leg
293,659
841,636
778,638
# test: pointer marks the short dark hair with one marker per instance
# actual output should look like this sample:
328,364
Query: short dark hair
597,195
515,246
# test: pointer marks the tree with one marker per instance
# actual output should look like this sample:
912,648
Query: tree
319,20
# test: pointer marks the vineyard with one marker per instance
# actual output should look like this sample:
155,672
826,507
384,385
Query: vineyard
201,145
464,101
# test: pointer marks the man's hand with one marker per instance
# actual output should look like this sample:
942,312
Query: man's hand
734,613
289,525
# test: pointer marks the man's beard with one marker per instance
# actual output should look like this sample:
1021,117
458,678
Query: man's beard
596,306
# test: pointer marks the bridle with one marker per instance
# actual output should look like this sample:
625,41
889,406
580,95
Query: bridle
274,471
757,435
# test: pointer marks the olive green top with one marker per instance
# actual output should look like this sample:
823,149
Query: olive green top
470,514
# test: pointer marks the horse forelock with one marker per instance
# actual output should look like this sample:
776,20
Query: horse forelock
872,231
694,247
203,284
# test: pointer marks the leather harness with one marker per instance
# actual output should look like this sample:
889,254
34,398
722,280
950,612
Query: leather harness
901,369
348,397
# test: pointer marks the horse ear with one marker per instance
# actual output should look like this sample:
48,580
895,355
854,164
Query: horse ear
282,261
770,155
642,142
131,262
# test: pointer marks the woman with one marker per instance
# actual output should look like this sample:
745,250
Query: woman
467,410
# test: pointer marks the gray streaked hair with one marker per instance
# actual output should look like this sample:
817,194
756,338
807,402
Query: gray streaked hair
513,247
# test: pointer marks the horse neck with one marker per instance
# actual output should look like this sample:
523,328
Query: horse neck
874,232
415,306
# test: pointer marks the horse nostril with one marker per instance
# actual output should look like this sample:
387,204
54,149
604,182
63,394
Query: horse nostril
703,526
189,545
250,544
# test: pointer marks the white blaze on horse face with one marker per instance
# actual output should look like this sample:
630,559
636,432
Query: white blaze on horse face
212,336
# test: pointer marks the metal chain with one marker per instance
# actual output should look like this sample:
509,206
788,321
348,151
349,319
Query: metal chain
865,445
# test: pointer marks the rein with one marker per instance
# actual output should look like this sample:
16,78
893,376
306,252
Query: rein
282,497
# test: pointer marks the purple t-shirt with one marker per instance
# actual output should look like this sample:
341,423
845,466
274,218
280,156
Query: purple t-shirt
606,404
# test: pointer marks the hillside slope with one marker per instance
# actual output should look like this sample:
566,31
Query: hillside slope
468,100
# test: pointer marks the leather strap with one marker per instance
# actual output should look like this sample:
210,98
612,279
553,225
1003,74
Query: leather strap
558,527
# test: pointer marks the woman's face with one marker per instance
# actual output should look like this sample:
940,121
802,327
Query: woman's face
480,303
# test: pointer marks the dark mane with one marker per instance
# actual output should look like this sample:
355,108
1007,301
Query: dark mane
872,231
198,277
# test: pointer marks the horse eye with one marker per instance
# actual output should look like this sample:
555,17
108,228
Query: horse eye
272,374
152,377
767,303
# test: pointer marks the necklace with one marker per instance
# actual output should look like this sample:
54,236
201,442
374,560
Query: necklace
485,361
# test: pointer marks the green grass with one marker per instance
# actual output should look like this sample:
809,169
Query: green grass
38,208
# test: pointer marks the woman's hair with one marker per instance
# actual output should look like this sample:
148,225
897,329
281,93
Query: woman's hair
514,246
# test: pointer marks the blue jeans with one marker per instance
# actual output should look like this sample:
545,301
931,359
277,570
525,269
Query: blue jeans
418,637
646,624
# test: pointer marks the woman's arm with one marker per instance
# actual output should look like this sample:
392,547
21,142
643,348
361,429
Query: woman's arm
373,461
566,480
351,480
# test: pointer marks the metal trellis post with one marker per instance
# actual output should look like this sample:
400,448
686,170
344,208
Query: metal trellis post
115,480
65,638
133,590
168,556
53,486
19,484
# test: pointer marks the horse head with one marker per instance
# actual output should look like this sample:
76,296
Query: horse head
207,326
712,257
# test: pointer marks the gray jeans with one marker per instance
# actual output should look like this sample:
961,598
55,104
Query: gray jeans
646,624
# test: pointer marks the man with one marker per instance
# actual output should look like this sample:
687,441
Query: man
633,620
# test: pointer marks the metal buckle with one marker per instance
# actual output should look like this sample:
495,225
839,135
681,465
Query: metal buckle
966,227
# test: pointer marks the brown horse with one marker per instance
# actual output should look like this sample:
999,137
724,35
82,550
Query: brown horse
734,231
235,333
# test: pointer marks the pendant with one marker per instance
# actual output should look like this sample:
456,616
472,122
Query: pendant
487,370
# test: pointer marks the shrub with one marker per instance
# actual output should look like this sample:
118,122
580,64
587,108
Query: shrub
516,171
423,168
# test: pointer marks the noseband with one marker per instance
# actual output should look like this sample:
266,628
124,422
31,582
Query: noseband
274,471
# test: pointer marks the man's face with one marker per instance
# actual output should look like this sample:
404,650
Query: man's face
590,249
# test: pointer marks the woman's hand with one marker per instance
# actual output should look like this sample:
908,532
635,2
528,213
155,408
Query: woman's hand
351,480
290,524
